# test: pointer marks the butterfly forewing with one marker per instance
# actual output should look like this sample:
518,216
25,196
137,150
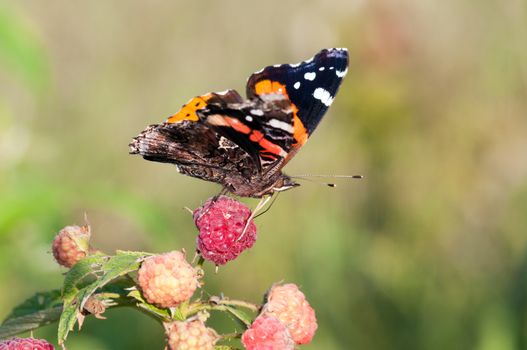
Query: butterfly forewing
310,85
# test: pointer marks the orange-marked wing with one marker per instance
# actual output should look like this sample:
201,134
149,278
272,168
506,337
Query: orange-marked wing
189,109
310,86
262,127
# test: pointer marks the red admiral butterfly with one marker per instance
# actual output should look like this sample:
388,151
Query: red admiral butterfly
244,144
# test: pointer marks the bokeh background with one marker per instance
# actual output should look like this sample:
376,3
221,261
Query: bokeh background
427,252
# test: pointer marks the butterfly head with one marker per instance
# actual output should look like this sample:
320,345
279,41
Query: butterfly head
283,183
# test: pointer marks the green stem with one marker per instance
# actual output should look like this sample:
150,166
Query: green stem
230,336
241,303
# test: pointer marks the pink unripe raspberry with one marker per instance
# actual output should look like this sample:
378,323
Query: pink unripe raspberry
71,244
288,304
25,344
191,335
221,223
167,279
267,333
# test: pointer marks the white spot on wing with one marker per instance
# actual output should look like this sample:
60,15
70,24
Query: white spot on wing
257,112
324,96
322,69
310,76
278,124
331,68
342,73
226,144
294,65
248,118
296,85
224,92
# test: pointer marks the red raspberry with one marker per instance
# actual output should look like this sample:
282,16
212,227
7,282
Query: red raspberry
25,344
71,244
267,333
288,304
191,335
168,279
221,223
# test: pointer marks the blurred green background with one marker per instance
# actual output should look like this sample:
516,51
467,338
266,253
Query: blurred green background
427,252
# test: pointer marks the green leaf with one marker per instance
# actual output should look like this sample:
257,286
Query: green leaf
149,308
224,347
77,275
90,275
119,265
37,311
244,320
67,320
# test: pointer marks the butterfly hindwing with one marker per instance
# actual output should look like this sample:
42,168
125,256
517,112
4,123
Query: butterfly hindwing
262,127
192,145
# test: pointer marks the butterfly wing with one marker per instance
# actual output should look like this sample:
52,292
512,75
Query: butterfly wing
195,148
262,127
310,86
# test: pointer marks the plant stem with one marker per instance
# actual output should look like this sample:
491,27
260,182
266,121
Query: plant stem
230,336
241,303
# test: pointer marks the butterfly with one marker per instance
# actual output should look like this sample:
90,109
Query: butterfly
243,144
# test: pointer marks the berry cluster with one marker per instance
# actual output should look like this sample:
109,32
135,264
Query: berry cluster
286,319
223,229
71,244
190,335
167,279
25,344
165,284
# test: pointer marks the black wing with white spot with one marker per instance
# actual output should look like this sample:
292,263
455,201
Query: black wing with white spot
310,85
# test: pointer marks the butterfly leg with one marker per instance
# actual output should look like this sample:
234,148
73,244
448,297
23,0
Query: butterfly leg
259,207
223,192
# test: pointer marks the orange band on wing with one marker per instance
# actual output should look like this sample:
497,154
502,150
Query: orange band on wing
272,148
188,111
299,130
256,136
267,86
238,125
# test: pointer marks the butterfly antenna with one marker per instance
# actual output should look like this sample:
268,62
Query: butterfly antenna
307,177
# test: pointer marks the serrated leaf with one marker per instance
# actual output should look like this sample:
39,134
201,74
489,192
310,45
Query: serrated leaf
67,320
75,277
142,303
39,310
105,269
117,266
244,320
